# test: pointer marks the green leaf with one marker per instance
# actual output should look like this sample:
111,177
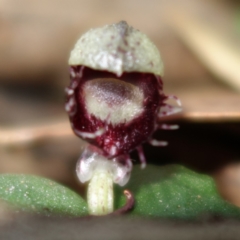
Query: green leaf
40,195
174,191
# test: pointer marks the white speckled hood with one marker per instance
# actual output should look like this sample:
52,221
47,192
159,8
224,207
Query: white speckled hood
117,48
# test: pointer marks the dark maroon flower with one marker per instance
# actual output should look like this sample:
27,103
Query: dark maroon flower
115,96
116,114
114,100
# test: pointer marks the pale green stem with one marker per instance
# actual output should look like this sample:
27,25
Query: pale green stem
100,192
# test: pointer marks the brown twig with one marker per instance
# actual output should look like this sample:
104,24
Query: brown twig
211,116
26,135
61,129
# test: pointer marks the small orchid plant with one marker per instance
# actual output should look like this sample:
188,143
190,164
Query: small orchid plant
114,101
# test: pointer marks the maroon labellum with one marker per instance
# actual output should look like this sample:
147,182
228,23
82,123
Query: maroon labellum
116,114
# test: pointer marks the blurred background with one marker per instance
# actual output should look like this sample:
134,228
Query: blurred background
199,41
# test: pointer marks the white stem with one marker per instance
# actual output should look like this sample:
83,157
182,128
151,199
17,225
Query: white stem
100,192
101,174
